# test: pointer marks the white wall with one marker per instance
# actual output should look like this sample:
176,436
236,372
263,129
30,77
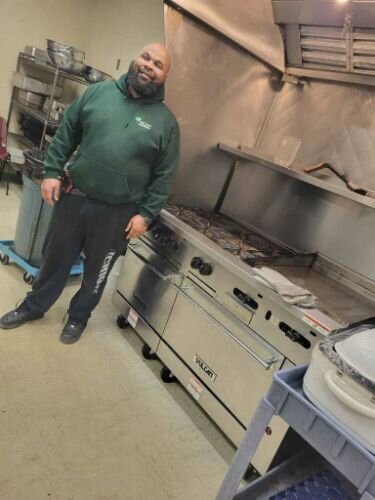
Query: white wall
119,30
30,22
106,30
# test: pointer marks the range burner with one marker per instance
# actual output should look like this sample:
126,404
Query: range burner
236,239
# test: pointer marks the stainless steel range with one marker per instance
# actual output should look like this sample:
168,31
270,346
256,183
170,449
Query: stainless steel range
189,290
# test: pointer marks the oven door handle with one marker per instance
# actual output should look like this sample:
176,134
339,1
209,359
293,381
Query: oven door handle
266,363
172,278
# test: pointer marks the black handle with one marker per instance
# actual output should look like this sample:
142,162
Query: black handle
294,336
245,299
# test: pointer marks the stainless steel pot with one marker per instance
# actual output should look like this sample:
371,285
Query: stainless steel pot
93,75
62,48
66,63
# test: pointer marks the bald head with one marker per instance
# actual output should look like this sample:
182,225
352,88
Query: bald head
149,70
159,53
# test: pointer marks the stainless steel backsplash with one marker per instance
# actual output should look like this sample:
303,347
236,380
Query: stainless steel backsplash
220,93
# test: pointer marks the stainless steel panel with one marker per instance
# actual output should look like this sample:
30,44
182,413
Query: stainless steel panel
262,352
217,93
335,123
250,24
224,283
145,282
235,355
223,418
220,415
304,217
147,334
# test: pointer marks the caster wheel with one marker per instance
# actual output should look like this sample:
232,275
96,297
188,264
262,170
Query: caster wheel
4,259
148,353
167,376
28,278
122,322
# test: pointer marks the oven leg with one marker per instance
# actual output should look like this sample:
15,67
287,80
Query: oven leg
167,376
122,322
148,353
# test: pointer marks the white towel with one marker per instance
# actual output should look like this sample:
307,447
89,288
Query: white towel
288,291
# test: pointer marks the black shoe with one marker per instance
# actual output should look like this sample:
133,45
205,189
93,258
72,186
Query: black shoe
18,317
72,331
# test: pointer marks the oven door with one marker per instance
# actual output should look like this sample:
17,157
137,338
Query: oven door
231,359
146,283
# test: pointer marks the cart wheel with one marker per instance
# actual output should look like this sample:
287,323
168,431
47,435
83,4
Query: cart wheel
4,259
122,322
148,353
28,278
167,376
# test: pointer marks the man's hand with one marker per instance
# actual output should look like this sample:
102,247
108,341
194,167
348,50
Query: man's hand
136,227
51,190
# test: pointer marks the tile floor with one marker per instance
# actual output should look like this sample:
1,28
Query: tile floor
93,420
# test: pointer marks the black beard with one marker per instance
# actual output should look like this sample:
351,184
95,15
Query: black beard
145,89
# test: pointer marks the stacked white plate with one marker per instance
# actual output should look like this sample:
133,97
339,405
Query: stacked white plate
341,381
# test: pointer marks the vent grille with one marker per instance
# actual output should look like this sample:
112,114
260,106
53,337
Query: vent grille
331,48
323,47
364,51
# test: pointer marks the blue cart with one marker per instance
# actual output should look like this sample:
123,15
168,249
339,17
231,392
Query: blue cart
8,254
329,447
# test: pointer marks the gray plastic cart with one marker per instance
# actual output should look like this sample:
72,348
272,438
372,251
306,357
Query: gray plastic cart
330,446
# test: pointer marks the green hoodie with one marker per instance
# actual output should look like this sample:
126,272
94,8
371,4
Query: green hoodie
128,148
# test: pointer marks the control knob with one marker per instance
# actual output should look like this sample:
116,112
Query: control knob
165,240
205,269
173,245
156,233
196,262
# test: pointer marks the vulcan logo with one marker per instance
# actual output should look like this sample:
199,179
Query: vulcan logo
202,365
103,271
143,124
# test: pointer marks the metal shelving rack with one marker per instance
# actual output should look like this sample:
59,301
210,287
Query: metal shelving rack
7,247
44,118
35,113
47,66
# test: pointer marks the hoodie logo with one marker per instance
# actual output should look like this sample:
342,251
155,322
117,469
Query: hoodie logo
143,124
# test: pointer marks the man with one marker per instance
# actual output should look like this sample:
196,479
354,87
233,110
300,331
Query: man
118,182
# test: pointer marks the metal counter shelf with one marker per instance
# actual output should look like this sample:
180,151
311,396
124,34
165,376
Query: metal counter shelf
35,113
286,399
46,66
260,158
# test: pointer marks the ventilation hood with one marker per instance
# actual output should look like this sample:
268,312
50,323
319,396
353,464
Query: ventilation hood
329,39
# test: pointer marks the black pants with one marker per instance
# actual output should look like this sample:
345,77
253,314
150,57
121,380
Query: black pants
80,223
